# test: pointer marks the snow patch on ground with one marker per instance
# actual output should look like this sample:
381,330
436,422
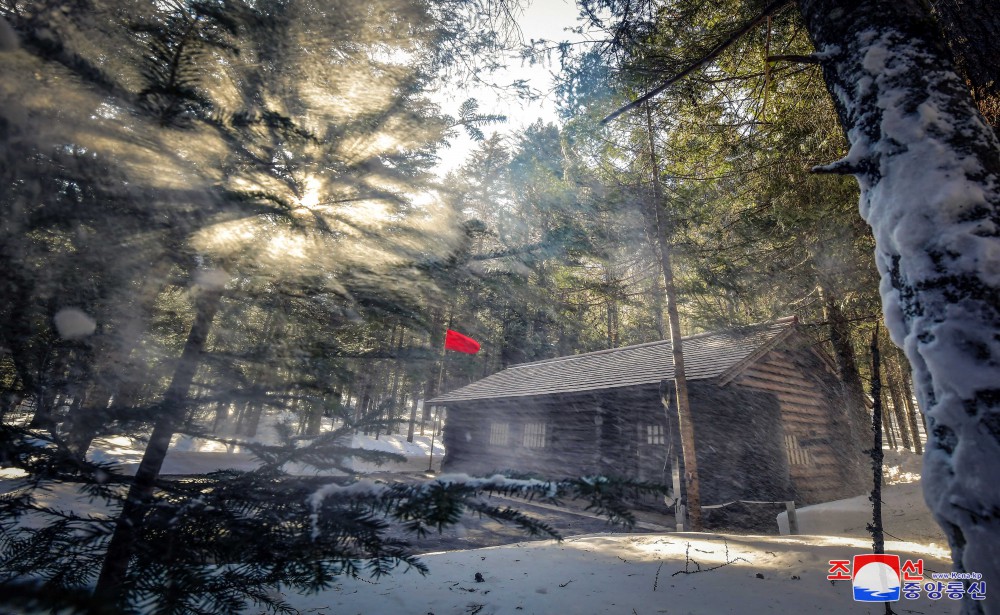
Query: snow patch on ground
188,456
905,515
621,574
417,453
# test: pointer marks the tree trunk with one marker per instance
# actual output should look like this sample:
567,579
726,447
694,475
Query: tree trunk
221,415
252,417
858,420
684,420
360,385
886,419
847,367
929,171
314,424
611,306
118,369
657,305
128,529
392,427
907,394
413,411
898,412
878,538
972,28
44,416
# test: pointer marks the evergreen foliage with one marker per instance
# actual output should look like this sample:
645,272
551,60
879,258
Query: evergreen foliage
265,169
237,219
220,542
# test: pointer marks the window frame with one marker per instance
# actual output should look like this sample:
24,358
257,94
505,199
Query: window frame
535,435
498,428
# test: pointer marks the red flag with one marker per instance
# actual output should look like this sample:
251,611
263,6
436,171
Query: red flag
453,340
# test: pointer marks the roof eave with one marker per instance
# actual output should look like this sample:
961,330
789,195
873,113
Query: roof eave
733,372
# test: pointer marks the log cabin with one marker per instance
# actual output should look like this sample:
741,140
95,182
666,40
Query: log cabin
768,409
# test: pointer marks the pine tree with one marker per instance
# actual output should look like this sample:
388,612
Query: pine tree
237,215
887,70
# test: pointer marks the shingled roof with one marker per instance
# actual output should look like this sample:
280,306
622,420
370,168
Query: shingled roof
706,355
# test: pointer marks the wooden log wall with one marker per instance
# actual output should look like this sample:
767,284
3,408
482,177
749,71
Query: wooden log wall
812,413
776,432
738,431
624,449
571,436
738,437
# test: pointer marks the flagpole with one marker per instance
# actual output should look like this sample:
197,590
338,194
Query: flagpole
460,343
437,415
437,420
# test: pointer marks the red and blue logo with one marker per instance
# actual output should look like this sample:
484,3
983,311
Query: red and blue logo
876,578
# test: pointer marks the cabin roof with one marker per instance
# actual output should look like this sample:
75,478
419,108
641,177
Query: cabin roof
706,355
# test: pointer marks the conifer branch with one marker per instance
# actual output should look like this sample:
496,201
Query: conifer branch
715,52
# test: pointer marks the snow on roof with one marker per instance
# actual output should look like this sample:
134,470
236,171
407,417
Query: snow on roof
706,355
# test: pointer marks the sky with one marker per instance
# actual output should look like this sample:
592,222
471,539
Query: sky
541,19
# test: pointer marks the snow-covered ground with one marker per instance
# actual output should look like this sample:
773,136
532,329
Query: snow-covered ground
905,516
640,574
417,453
634,574
188,456
628,574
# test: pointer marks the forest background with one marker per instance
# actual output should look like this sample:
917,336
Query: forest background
217,210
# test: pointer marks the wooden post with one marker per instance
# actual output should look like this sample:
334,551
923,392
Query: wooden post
793,520
680,518
667,397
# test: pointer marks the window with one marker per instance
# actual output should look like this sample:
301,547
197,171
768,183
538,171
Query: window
797,456
499,434
534,435
654,434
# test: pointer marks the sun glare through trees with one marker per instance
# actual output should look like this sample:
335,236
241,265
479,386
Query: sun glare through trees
298,296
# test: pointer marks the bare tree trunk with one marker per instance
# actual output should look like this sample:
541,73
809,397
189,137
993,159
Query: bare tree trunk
878,538
126,538
435,381
434,376
379,391
911,411
346,391
392,427
661,329
847,367
314,422
360,392
414,401
611,306
221,415
897,404
685,422
252,418
858,421
44,415
929,170
886,419
118,366
972,28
